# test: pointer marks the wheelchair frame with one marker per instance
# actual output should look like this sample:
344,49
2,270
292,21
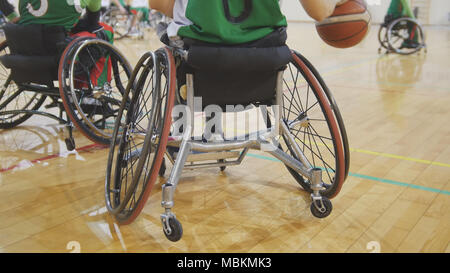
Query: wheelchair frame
198,150
58,96
388,32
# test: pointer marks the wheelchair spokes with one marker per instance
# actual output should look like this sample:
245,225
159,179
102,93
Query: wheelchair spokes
94,79
132,165
402,36
313,135
14,97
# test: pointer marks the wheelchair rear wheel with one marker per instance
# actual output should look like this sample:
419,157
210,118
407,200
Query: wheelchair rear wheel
15,97
316,126
382,37
93,76
405,36
134,164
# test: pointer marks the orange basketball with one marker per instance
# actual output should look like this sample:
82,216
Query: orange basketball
347,26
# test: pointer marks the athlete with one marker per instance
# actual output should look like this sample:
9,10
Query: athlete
401,8
232,21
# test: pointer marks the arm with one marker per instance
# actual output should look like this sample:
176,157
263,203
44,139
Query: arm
320,9
163,6
119,5
8,10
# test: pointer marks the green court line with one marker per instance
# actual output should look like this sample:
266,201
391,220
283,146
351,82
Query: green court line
368,177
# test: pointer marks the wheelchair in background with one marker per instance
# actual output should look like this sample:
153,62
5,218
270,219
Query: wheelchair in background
92,76
303,129
121,23
402,35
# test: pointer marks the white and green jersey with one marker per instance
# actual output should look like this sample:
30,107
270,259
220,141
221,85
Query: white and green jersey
225,21
64,13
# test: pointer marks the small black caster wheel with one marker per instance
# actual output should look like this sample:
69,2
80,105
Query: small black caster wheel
176,230
320,211
70,144
162,170
223,167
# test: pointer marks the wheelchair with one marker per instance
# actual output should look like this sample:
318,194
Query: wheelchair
395,35
92,76
121,23
303,127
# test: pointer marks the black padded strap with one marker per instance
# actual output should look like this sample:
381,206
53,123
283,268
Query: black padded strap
232,59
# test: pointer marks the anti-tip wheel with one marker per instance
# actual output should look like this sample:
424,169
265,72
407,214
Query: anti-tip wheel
176,230
324,210
70,144
222,168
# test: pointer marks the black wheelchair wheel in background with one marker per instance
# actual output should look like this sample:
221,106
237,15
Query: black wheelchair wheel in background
15,97
399,36
93,76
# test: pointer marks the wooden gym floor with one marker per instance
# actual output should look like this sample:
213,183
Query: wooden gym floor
396,198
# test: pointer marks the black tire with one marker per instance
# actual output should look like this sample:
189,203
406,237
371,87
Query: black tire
382,37
15,97
321,214
324,127
176,230
162,170
135,164
93,106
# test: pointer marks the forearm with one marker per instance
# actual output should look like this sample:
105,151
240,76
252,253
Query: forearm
163,6
320,9
8,10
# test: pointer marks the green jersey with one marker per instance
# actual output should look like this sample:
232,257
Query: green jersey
400,8
64,13
228,21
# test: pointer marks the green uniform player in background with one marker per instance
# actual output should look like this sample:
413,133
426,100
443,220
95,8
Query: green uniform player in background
64,13
401,8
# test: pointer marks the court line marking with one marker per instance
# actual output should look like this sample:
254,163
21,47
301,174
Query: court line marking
48,157
368,177
388,155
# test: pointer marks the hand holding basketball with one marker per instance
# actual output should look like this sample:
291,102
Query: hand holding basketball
347,26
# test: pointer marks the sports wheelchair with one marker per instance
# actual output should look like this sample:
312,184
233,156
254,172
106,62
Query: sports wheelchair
402,35
303,127
92,76
121,23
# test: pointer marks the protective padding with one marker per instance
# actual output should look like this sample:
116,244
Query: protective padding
34,52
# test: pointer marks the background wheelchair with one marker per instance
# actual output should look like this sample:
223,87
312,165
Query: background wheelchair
92,76
121,23
402,35
304,128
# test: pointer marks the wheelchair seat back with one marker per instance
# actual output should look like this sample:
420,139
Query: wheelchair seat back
34,52
243,74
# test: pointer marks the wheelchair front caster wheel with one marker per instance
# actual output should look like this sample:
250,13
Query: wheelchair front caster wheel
321,208
222,168
176,230
70,144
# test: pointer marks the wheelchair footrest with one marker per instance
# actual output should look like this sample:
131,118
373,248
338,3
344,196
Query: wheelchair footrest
195,157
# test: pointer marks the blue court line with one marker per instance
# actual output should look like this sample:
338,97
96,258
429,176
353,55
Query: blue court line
368,177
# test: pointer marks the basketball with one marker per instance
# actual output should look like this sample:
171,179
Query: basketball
347,26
